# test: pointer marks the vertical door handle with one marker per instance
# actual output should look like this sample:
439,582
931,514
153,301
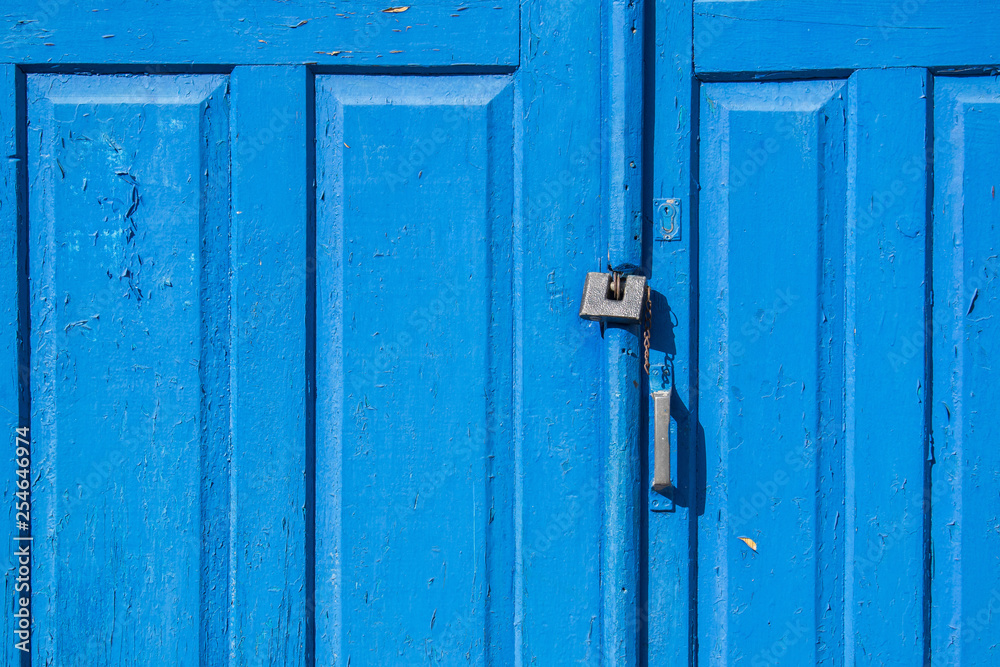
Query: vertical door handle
661,444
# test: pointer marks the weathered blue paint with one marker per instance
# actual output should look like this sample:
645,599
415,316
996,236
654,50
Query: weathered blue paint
560,461
205,304
844,404
771,359
13,323
271,382
965,502
129,200
885,371
668,585
308,381
432,33
621,554
414,320
759,36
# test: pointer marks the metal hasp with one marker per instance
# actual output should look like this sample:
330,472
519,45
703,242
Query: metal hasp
661,437
602,303
668,212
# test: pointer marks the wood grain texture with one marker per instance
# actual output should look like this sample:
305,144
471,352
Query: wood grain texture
911,360
759,36
12,326
229,32
621,556
414,486
771,380
271,603
491,422
670,577
563,397
129,241
966,593
886,374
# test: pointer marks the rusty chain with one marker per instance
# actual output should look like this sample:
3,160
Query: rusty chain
647,329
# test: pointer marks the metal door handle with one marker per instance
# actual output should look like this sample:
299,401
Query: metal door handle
661,438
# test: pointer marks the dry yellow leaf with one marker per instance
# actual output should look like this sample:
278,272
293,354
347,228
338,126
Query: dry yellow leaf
395,10
750,543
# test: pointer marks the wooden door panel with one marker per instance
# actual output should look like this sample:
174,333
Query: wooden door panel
415,507
129,294
966,504
271,579
774,177
900,506
814,304
886,473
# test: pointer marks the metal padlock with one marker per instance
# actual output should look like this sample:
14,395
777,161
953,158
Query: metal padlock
613,297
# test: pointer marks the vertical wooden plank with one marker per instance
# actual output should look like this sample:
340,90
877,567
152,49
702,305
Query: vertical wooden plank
966,504
670,567
563,394
13,280
623,104
886,375
271,376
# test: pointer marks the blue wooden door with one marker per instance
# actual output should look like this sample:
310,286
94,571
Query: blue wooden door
290,295
290,306
832,334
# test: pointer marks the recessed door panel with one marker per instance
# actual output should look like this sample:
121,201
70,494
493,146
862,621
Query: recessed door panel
773,161
129,200
415,479
965,502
